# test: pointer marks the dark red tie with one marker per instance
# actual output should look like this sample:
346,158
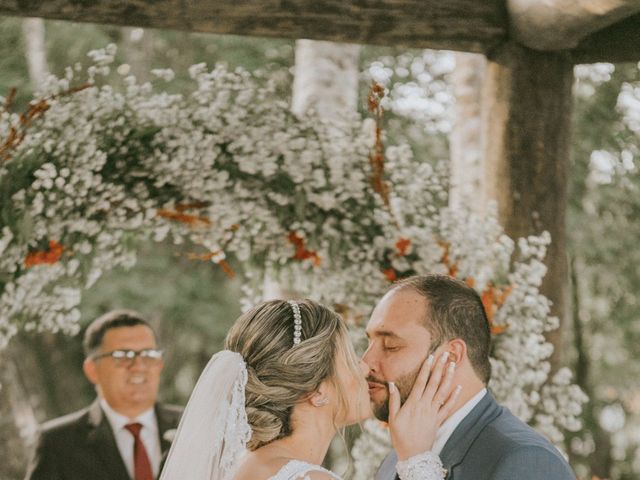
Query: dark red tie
141,465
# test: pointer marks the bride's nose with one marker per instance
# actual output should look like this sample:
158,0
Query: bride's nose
364,368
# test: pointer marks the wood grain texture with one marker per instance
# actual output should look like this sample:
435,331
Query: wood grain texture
527,102
467,25
554,25
617,43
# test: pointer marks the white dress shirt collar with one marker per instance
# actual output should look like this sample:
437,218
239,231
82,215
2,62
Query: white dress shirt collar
118,421
448,427
124,440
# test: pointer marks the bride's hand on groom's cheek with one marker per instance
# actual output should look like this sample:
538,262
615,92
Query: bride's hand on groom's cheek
414,425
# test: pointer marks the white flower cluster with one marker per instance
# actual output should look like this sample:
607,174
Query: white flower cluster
629,105
230,169
370,449
419,89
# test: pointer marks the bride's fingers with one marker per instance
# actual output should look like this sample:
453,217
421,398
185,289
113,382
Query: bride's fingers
394,402
448,405
421,380
435,378
446,385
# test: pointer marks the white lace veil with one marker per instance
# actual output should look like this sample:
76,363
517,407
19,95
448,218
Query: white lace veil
213,431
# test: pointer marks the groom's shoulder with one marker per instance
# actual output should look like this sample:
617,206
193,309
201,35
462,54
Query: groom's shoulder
509,431
516,446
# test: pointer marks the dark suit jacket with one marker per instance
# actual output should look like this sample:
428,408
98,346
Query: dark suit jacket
492,444
81,446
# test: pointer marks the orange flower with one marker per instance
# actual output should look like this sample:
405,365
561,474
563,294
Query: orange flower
376,157
226,268
492,299
191,220
17,133
402,245
181,207
446,260
301,252
47,257
391,274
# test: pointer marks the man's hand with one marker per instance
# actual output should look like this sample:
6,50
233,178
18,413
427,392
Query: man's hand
414,425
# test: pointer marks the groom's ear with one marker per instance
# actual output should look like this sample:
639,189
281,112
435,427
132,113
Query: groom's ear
457,349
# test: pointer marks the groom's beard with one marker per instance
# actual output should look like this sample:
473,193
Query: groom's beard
404,385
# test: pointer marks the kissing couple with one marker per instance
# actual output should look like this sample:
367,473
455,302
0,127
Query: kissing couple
268,406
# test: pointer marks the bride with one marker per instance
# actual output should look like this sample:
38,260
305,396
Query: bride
268,406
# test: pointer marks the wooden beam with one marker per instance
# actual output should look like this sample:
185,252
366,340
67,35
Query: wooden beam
617,43
553,25
468,25
527,102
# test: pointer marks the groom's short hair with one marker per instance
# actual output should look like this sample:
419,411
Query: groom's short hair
454,310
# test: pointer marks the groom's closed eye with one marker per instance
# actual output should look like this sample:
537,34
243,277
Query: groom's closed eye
392,347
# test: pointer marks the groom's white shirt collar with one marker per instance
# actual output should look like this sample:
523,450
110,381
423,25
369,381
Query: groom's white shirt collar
448,427
149,435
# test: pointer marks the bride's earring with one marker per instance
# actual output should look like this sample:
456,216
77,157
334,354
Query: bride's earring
320,402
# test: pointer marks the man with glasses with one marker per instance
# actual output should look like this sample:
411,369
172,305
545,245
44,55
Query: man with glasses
123,434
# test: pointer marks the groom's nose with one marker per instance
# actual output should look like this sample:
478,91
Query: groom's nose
369,358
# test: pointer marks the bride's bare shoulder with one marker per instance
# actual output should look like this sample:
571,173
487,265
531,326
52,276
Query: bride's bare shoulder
255,466
319,476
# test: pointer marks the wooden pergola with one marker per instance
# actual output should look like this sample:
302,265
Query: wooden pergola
531,47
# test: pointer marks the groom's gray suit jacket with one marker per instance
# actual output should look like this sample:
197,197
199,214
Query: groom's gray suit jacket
492,444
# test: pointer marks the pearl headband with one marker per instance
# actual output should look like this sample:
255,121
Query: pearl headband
297,322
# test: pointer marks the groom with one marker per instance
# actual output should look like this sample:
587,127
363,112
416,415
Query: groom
480,440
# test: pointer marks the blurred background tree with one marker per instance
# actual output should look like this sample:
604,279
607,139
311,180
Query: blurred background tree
192,303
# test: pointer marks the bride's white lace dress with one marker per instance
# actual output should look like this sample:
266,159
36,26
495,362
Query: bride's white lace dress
298,470
424,466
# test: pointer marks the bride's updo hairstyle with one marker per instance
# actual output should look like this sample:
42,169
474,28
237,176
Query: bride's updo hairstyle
281,374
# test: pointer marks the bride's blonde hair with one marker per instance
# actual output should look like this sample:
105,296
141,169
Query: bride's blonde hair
281,374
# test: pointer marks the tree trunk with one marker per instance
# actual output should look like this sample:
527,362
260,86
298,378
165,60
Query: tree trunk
600,461
325,78
137,48
35,51
467,154
527,115
18,423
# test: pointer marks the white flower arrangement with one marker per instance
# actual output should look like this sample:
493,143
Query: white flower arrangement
170,435
228,168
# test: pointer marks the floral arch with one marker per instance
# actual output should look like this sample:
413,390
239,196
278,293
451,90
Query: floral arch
90,169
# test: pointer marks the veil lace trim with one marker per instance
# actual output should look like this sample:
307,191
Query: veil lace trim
214,431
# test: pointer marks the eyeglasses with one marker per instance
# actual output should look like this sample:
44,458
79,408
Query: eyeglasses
125,358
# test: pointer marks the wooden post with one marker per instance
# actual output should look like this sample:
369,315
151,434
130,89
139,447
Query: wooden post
527,103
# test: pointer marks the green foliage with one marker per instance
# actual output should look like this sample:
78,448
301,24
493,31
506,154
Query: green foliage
603,214
13,65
